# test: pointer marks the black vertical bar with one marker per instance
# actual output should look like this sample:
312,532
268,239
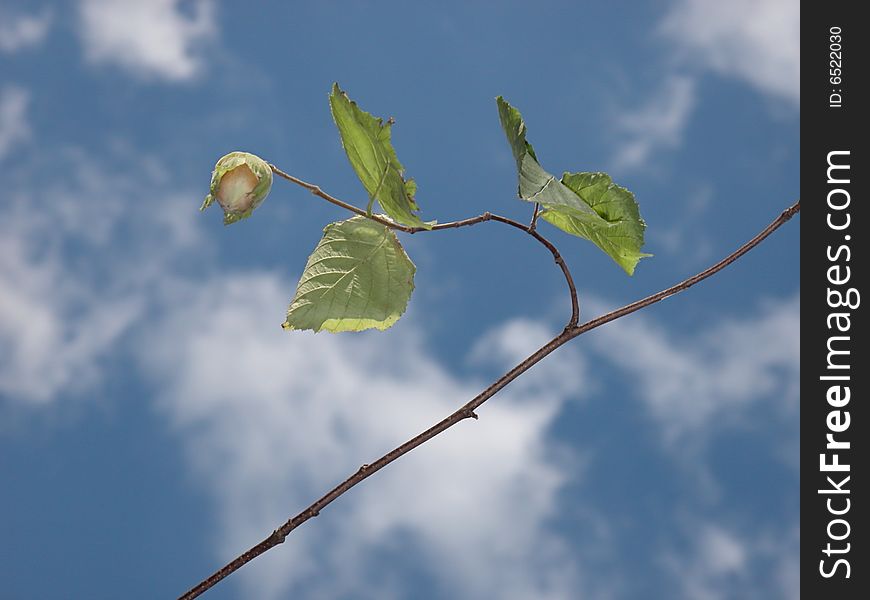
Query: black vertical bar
834,225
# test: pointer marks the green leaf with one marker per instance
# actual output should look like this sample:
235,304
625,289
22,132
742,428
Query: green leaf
357,278
616,228
588,205
366,140
536,185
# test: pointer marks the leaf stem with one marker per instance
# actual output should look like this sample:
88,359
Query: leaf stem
535,215
467,411
314,189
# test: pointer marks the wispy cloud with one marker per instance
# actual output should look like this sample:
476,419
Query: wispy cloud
691,383
153,40
273,420
719,562
14,126
755,41
655,125
48,348
18,32
61,314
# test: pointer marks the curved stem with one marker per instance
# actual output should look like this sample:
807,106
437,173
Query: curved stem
487,216
575,303
467,411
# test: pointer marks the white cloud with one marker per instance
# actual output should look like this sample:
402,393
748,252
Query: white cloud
693,382
273,420
14,128
63,311
23,31
47,346
756,41
708,570
721,551
720,562
153,39
655,126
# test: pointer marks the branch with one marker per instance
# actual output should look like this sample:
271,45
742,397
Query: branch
467,411
487,216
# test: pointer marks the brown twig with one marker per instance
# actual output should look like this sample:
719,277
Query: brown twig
467,411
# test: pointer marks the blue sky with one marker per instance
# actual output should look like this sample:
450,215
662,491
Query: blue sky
155,420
